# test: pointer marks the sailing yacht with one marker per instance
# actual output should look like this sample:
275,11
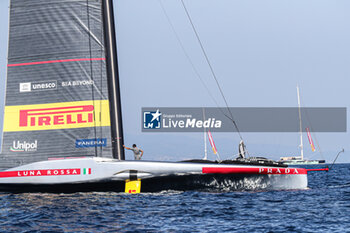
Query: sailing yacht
63,129
299,160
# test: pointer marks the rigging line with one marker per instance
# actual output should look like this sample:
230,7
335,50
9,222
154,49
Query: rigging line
91,69
192,64
342,151
186,54
210,66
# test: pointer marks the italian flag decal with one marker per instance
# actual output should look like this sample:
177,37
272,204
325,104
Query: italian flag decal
86,171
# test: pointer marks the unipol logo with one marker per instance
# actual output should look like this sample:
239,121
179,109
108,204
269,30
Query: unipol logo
18,146
72,115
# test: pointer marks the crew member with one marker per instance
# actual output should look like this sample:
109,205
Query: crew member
137,151
241,150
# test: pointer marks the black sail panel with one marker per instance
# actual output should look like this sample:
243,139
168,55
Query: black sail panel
57,91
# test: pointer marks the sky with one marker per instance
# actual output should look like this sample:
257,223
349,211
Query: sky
260,50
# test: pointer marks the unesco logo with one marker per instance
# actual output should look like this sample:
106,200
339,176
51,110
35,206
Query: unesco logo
152,120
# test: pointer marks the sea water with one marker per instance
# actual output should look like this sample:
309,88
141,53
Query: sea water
324,207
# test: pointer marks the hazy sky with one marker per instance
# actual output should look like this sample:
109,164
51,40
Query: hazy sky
260,51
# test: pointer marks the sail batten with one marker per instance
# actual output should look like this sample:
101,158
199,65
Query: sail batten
57,94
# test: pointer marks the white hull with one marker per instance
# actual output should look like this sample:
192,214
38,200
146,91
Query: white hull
99,170
303,162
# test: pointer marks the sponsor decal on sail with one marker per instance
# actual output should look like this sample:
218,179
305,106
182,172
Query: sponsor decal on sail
94,142
77,83
54,116
38,86
25,87
79,114
18,146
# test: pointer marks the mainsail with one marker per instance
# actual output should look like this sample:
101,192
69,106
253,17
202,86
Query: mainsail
57,92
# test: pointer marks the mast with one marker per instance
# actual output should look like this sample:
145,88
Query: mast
300,127
205,139
205,145
113,81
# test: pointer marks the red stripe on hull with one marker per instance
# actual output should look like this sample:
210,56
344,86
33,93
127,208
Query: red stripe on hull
254,170
46,172
318,169
56,61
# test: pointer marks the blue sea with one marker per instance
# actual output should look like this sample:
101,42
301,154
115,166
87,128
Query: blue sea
324,207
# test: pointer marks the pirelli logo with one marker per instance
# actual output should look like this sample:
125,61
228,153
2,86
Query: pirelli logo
53,116
56,116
